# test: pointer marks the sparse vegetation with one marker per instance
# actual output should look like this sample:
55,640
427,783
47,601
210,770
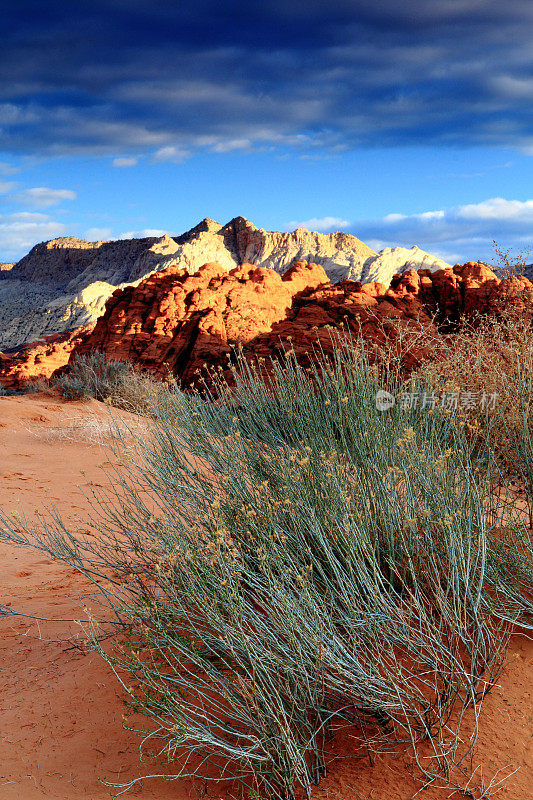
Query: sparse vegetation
288,561
510,265
16,392
117,383
92,375
488,367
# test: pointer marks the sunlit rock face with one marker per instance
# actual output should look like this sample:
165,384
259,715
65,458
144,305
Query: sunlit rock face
64,283
175,323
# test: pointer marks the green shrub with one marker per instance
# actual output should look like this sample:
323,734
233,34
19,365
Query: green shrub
289,561
92,375
117,383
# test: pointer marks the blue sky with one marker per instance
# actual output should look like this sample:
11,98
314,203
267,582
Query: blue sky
405,123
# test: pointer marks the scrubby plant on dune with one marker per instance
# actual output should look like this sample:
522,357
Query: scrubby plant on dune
15,392
117,383
288,561
92,375
489,356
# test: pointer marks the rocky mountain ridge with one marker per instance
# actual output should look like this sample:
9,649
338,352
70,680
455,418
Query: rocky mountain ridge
63,284
175,322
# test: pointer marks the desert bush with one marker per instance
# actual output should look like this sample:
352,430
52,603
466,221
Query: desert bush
510,264
117,383
16,392
287,561
141,393
490,356
92,375
511,567
488,363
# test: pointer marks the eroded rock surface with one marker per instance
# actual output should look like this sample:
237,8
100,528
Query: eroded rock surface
64,283
173,322
39,360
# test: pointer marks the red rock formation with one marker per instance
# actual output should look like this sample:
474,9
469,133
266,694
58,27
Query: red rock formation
175,322
39,360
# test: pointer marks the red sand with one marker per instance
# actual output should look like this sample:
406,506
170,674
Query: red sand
61,711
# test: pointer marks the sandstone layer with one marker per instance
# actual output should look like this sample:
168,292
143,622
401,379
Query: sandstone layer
39,360
173,322
64,283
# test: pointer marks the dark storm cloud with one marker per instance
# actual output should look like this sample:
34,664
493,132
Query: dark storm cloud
123,77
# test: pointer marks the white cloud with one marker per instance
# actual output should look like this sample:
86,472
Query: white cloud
126,161
394,217
497,208
321,224
171,153
19,232
232,144
431,215
143,234
494,209
425,216
98,234
43,197
459,233
376,244
510,86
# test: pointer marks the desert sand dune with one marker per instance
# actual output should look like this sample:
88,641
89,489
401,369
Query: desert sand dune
61,709
61,714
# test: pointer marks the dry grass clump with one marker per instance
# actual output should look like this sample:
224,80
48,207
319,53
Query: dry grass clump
140,393
92,375
117,383
485,370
